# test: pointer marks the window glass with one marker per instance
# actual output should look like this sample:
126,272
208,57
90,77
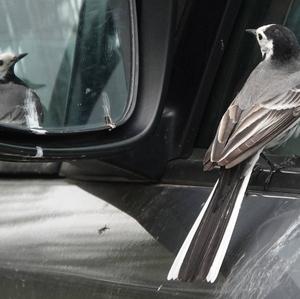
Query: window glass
79,65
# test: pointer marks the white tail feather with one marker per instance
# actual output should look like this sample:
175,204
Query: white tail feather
216,265
174,271
218,260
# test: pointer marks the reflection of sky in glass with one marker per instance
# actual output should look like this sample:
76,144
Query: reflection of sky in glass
43,28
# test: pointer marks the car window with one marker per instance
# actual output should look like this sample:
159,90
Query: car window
79,61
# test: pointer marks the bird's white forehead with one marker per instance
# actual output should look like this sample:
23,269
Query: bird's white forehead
262,29
7,56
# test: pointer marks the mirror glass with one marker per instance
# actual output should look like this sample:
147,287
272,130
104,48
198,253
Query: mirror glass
66,65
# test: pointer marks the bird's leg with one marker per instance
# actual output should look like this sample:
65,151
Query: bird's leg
271,164
257,170
274,168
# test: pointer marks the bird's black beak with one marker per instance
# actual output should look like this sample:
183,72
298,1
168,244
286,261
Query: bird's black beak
251,31
20,56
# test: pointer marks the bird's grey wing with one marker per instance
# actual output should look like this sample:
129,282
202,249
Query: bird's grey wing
227,124
259,125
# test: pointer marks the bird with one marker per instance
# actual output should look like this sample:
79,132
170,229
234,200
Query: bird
19,104
264,114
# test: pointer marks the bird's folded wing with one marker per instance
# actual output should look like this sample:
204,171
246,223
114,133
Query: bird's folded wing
241,134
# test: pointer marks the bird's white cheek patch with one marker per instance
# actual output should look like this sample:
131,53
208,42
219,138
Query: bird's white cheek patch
267,49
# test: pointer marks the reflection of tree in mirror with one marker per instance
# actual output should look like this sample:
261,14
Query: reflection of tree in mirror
96,60
101,66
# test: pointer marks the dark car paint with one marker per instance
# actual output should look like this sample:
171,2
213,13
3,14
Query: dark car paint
51,246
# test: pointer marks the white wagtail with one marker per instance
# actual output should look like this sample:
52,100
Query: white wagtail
264,114
19,104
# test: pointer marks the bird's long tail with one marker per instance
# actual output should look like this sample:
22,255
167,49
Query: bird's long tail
205,246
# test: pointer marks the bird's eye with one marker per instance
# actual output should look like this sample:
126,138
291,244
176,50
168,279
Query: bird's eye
259,36
1,62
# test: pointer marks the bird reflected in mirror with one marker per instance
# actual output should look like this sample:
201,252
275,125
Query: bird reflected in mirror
264,114
19,104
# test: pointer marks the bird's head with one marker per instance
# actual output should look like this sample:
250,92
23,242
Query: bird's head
276,42
8,61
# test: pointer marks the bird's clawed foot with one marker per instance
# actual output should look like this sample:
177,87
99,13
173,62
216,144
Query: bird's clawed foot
275,168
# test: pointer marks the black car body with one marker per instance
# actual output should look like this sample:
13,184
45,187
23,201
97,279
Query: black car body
115,204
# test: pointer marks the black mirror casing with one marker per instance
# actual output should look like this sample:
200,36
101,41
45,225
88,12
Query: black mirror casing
149,67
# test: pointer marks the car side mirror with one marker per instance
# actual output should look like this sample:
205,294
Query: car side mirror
76,94
80,71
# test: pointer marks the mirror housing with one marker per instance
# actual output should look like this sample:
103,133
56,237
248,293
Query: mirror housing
40,145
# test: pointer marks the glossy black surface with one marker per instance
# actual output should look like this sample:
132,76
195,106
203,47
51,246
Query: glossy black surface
59,240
